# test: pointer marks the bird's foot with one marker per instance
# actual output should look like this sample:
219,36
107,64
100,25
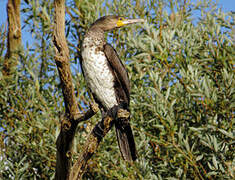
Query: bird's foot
94,107
122,113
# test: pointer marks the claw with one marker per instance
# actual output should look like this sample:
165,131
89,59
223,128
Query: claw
122,113
95,107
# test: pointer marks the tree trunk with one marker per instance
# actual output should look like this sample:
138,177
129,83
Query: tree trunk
13,38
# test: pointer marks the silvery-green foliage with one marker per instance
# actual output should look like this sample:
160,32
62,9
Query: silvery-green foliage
181,67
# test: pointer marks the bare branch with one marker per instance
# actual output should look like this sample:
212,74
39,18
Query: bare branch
73,116
92,143
64,142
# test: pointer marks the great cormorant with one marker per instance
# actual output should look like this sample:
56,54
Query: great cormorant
107,77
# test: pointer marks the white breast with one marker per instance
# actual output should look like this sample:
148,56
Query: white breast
98,76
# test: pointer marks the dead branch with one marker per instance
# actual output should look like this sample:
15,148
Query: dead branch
69,124
72,116
64,142
92,143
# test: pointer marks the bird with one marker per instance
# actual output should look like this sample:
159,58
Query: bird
107,77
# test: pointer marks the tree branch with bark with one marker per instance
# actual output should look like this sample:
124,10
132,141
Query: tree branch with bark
64,143
69,124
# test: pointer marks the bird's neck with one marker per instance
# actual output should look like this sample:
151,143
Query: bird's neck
96,32
95,36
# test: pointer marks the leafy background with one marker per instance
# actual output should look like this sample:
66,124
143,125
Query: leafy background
181,65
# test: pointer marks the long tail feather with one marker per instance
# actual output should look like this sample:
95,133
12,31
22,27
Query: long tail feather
126,141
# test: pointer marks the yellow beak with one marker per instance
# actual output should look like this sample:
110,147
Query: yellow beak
124,22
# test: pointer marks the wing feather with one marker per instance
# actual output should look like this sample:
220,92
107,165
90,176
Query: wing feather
119,69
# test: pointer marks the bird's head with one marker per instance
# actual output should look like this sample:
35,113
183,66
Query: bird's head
110,22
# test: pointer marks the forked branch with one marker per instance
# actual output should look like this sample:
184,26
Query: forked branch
73,116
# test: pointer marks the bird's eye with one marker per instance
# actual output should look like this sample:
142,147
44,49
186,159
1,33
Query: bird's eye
121,19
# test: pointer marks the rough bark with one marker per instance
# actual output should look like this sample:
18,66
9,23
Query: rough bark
64,141
13,37
92,143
